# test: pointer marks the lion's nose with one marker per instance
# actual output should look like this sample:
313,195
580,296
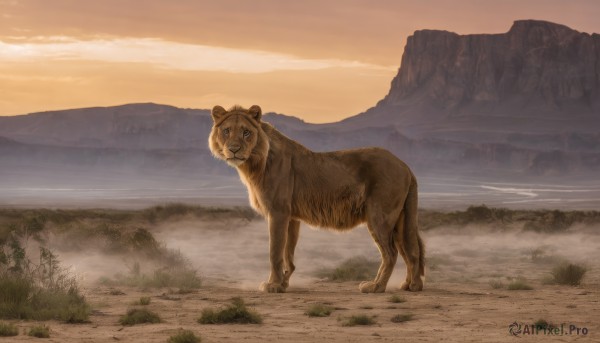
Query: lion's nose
234,148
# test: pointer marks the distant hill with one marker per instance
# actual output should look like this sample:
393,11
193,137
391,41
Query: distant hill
523,104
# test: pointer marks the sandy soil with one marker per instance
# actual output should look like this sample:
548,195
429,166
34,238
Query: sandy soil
457,305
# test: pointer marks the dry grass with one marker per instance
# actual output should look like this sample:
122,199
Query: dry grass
353,269
8,330
139,316
359,319
547,221
39,291
496,284
184,336
39,331
400,318
568,274
519,285
319,310
236,313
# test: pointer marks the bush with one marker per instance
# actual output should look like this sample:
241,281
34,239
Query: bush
40,291
39,331
144,301
139,316
8,330
353,269
319,310
399,318
184,336
360,319
518,285
236,313
568,274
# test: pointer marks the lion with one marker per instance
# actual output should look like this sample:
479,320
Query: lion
288,183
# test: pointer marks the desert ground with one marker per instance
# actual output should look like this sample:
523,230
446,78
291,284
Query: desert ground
466,296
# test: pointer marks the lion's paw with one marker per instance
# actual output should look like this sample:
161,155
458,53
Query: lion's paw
370,287
269,287
415,286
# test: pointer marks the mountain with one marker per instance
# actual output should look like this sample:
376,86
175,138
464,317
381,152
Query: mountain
132,126
522,105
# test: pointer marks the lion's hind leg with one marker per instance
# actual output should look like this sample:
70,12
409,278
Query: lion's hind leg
382,231
412,244
399,240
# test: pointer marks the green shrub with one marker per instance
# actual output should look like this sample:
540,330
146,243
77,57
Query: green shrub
353,269
568,274
319,310
184,336
399,318
39,331
236,313
8,329
360,319
139,316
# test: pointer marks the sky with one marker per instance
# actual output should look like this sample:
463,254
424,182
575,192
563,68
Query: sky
319,60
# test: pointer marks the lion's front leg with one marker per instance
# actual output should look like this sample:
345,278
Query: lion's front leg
278,229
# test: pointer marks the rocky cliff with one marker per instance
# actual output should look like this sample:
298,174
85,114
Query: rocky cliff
537,77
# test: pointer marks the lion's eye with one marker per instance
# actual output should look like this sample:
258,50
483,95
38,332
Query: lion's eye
226,132
246,133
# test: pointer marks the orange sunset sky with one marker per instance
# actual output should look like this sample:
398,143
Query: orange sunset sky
318,60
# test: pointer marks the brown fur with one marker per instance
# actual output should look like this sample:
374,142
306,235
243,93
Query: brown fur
288,183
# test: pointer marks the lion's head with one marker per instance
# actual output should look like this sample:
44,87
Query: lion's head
237,135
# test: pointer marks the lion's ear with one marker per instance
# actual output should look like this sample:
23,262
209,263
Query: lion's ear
255,112
217,113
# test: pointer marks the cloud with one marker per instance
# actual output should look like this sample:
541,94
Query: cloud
164,54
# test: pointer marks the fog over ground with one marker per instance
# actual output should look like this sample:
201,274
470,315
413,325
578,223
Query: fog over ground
235,252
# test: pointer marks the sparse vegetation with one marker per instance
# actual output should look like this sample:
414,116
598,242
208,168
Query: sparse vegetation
184,336
540,255
396,299
8,330
568,274
547,221
236,313
496,284
143,301
39,331
519,285
139,316
180,276
38,290
38,219
359,319
399,318
319,310
353,269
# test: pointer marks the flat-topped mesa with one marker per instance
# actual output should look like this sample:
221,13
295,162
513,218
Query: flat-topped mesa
535,65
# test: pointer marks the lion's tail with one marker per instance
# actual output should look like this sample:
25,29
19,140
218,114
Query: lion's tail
412,224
